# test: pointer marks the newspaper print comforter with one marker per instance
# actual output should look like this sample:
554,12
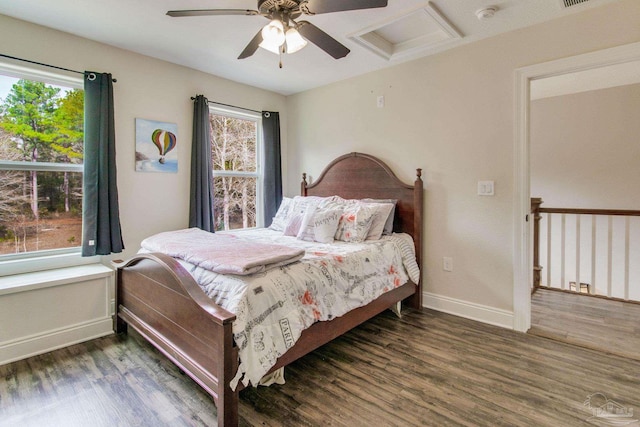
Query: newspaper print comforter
274,307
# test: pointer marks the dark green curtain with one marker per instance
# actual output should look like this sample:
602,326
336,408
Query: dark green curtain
201,198
101,231
273,165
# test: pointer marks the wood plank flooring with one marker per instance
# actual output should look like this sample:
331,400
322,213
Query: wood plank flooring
597,323
428,368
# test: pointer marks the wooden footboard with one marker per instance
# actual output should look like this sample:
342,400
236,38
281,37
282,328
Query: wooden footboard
159,298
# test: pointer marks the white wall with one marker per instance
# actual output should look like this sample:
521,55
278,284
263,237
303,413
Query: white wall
146,88
451,114
584,149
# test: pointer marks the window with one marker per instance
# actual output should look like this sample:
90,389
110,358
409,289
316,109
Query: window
236,147
41,152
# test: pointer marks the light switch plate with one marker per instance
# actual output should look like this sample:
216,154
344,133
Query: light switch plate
447,263
485,188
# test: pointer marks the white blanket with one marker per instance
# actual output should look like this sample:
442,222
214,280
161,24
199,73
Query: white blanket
221,253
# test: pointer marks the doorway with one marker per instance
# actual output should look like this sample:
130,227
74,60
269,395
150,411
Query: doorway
523,263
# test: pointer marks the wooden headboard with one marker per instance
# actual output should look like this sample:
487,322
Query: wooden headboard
359,176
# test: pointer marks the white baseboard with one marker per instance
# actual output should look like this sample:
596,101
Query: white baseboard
468,310
53,340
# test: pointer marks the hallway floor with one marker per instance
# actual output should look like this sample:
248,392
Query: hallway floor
596,323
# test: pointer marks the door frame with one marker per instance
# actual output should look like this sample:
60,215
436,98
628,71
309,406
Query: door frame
523,262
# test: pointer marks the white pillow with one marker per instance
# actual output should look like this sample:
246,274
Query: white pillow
319,224
333,202
297,212
355,222
293,226
383,210
388,226
279,221
300,203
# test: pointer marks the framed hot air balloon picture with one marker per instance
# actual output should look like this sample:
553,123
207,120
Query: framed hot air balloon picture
156,146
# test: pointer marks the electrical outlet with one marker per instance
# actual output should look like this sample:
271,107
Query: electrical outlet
447,263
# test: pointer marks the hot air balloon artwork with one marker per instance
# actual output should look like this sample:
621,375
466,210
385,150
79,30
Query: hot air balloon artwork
156,146
165,141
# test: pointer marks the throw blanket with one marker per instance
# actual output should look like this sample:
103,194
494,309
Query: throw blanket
221,253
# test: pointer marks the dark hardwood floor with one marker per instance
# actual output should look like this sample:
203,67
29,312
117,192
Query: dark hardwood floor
427,368
597,323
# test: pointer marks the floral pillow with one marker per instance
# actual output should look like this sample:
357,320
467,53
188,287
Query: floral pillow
319,224
355,222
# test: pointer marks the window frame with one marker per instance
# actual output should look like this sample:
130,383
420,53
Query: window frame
24,262
256,117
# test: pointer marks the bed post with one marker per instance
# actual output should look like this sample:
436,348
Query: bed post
418,194
119,325
228,400
303,185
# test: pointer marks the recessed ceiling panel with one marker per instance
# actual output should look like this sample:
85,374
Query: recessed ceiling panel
415,31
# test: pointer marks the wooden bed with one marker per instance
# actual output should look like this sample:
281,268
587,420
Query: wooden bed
160,299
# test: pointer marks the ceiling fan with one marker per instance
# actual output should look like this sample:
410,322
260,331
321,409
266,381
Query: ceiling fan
284,34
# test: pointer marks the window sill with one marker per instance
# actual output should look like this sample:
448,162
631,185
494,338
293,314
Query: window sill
44,263
50,278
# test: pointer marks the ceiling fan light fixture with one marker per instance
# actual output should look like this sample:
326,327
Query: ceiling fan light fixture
295,42
271,47
273,33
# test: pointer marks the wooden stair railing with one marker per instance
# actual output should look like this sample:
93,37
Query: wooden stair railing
537,210
537,269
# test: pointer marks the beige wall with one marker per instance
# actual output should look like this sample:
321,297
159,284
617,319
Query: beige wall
146,88
585,149
451,114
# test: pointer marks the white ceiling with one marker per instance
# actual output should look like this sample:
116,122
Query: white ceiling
212,43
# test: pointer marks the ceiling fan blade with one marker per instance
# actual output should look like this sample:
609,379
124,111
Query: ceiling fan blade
210,12
321,39
328,6
253,45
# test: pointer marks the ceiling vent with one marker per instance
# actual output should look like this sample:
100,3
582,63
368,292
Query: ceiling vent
569,3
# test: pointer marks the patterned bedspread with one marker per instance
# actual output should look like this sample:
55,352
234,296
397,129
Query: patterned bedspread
274,307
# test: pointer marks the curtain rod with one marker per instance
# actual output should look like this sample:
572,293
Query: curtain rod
232,106
45,65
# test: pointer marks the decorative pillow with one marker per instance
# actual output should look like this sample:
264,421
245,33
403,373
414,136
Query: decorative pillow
355,222
293,226
279,221
333,202
297,212
388,226
319,224
300,203
379,219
